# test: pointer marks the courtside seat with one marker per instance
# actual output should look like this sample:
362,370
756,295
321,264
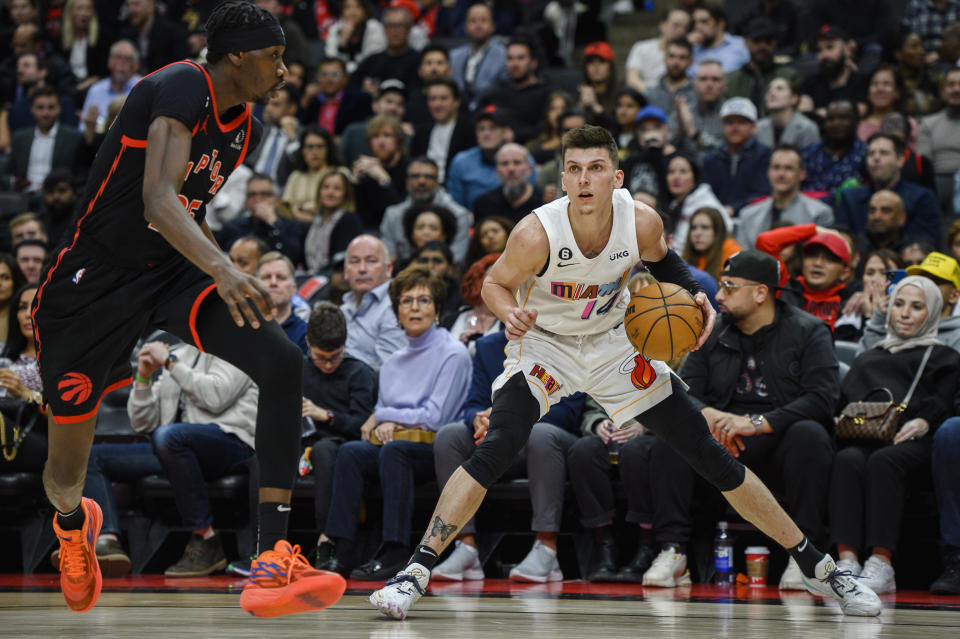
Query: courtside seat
24,511
151,527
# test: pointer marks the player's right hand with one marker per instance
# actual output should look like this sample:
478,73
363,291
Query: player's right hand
519,321
239,290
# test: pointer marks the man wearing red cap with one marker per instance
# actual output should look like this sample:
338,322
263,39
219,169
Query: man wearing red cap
819,289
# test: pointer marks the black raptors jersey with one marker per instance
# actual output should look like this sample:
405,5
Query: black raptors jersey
111,220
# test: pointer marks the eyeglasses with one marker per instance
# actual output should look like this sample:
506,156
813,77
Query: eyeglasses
421,300
727,286
259,193
336,359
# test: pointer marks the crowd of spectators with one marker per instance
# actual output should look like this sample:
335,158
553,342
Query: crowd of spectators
818,148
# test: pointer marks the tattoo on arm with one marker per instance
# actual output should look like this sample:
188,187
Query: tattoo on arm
442,529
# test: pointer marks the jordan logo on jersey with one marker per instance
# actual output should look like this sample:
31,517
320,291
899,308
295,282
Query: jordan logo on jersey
550,383
237,143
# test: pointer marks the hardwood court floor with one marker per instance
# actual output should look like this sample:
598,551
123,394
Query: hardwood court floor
154,607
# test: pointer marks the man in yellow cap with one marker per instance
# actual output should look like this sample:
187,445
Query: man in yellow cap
945,273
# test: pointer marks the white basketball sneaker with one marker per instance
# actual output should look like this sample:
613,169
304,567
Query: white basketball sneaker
792,578
462,564
668,570
878,575
855,598
401,592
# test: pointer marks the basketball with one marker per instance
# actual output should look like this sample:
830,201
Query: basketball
662,321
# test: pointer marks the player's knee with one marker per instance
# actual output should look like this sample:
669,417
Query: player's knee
279,368
718,466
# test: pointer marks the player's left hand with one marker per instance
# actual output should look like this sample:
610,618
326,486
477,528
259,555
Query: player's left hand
709,318
240,290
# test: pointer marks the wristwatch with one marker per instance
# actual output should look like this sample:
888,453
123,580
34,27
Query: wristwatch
171,359
757,421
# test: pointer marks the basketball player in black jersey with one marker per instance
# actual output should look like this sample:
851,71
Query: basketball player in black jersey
142,256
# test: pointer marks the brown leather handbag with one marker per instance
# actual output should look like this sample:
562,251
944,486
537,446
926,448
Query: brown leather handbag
877,421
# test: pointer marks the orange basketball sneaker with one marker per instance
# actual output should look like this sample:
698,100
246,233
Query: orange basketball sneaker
80,578
282,582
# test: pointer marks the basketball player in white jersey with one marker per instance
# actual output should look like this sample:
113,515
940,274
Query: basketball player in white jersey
560,289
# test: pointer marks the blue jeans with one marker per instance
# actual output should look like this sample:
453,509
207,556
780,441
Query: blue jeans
946,480
121,463
192,455
400,466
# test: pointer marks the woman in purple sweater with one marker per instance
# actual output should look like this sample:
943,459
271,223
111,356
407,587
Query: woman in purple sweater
422,386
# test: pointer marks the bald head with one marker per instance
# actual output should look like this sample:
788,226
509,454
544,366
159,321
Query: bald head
885,213
368,265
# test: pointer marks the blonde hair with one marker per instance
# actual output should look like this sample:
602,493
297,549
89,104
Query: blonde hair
66,29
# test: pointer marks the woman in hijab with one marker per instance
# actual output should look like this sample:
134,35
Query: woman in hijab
869,479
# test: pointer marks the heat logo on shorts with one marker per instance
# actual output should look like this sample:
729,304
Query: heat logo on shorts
550,383
642,373
74,388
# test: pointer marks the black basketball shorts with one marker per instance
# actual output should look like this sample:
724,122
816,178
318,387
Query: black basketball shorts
89,314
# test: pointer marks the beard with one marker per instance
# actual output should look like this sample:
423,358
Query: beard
514,191
831,70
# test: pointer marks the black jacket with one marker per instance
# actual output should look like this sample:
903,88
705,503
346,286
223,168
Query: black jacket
878,368
350,392
464,137
795,354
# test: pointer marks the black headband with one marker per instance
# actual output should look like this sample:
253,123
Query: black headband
246,38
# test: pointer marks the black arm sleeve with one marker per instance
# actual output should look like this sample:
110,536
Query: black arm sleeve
673,269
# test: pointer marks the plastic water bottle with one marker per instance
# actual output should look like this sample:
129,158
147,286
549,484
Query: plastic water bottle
723,557
613,446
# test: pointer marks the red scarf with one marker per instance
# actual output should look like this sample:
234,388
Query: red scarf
824,304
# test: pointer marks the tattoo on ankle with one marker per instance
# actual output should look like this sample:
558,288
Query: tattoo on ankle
442,529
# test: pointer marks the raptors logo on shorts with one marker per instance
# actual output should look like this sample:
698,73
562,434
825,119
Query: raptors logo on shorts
74,388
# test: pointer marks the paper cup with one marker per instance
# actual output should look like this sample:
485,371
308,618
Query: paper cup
758,561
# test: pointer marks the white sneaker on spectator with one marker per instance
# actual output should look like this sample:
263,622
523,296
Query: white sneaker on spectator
792,578
878,574
539,566
463,563
851,565
668,570
855,598
401,592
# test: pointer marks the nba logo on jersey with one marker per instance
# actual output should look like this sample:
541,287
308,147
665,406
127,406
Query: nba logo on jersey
78,275
550,383
238,141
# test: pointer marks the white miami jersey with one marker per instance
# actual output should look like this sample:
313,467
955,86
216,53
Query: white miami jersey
576,295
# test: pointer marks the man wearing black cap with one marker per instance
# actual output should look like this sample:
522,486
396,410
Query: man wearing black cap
140,255
766,382
751,80
837,76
